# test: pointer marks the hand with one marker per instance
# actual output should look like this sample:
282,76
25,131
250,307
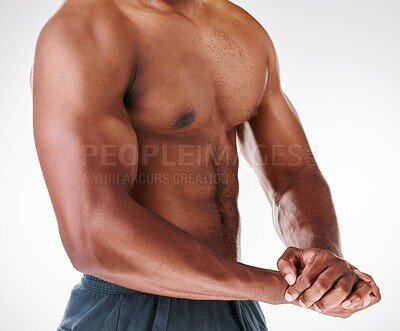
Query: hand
325,282
361,297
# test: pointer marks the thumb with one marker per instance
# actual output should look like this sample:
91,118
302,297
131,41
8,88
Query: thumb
287,264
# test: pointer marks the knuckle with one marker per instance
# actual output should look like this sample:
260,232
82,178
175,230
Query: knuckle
301,285
280,263
368,287
353,277
326,254
350,265
343,264
321,286
350,277
295,289
309,253
306,281
368,277
343,288
290,249
314,250
374,286
307,298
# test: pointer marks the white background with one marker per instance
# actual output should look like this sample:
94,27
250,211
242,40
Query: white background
340,68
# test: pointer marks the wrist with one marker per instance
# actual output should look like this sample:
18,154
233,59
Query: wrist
326,245
320,242
278,288
263,285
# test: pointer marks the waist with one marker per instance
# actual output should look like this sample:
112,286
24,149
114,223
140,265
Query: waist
98,284
212,217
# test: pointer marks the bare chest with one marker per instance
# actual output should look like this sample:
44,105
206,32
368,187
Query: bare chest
193,79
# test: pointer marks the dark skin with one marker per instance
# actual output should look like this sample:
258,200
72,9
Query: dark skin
136,114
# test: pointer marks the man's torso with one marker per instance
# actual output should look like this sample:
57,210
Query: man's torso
198,77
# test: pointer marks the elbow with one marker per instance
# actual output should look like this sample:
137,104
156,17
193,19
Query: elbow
87,238
81,229
81,258
80,264
79,244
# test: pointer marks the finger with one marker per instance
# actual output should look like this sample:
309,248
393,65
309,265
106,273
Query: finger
305,280
360,296
367,278
287,264
352,266
338,294
325,281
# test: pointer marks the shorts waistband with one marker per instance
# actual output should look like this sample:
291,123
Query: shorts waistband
102,285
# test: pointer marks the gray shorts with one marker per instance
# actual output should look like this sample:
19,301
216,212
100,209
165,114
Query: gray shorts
97,305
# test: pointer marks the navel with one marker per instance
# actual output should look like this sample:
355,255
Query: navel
185,119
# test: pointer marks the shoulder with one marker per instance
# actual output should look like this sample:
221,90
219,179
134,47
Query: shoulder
254,30
87,24
87,36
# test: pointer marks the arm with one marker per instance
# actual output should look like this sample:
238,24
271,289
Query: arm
78,89
276,146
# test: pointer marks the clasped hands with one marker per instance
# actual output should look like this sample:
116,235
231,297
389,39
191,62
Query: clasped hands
320,280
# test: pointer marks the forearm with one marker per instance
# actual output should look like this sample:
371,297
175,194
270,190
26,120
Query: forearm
134,248
304,213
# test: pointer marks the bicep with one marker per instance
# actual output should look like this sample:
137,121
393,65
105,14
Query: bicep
86,144
83,156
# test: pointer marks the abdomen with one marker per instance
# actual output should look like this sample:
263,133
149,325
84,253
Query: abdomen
193,184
